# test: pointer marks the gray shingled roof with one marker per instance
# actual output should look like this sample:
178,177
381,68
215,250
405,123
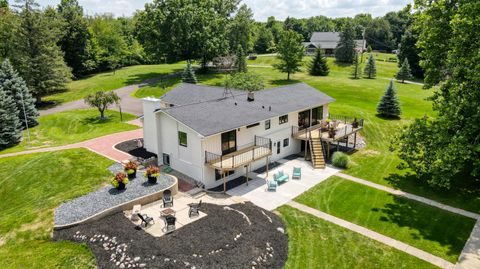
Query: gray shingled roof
329,40
191,93
217,115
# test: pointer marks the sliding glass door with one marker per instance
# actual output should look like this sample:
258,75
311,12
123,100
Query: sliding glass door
317,115
229,142
304,119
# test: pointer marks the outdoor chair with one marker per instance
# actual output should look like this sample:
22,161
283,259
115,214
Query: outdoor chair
194,209
146,220
272,185
297,173
167,198
169,224
280,177
324,126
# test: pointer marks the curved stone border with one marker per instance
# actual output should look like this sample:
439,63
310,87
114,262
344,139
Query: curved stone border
149,198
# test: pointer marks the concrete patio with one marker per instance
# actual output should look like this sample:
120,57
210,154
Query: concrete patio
257,193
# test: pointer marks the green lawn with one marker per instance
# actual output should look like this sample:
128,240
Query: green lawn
315,243
428,228
109,81
71,127
32,186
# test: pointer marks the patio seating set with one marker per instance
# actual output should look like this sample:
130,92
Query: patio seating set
167,213
280,177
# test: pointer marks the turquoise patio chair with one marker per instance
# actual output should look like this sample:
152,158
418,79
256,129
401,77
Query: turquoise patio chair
297,173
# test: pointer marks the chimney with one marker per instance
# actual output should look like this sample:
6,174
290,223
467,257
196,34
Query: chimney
251,96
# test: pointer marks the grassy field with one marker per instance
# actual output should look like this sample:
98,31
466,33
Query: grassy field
428,228
315,243
109,81
72,127
32,186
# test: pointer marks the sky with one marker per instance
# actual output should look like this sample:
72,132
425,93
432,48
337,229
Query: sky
261,8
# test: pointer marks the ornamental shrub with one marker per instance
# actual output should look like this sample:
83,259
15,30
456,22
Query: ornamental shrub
340,159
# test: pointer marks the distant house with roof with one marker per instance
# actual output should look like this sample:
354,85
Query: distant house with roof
213,135
328,41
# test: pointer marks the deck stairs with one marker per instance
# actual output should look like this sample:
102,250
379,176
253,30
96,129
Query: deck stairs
316,152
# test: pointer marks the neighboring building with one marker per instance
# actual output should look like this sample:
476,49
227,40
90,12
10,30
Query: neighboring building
328,41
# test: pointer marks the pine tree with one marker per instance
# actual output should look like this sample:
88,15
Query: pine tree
345,51
357,71
369,49
319,66
10,127
188,75
15,87
370,68
389,105
241,61
405,72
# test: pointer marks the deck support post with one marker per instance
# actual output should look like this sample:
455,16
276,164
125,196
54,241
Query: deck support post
328,150
224,182
355,140
266,174
346,143
246,173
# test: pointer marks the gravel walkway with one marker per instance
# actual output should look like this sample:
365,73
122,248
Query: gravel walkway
236,236
107,197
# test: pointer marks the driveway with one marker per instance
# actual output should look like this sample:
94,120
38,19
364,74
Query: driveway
256,190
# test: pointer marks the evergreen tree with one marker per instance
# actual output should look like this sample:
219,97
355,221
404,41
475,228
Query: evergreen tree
369,49
357,70
389,105
241,61
319,66
10,127
188,75
38,58
14,86
370,68
405,72
345,51
290,53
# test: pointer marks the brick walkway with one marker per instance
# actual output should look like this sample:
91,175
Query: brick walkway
375,236
102,145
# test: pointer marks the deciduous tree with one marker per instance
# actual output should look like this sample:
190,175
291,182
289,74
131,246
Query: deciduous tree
102,100
290,53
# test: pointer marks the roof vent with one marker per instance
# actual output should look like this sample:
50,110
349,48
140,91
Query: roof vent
235,103
251,96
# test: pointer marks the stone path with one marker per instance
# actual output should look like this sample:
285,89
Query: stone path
411,196
375,236
102,145
470,256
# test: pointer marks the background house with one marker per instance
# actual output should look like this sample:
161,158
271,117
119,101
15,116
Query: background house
328,41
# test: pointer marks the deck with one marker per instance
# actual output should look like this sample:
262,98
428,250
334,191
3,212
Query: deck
343,130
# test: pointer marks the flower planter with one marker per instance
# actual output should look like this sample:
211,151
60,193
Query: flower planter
132,175
121,186
152,180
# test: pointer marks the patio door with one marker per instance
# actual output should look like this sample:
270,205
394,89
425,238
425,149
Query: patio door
304,119
229,142
317,115
278,147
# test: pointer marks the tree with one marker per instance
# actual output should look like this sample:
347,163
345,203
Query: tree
76,38
409,50
369,49
245,82
399,22
188,75
10,127
319,66
16,88
8,27
357,70
101,100
444,151
389,105
241,29
404,73
265,41
37,57
241,61
371,67
290,53
345,51
379,35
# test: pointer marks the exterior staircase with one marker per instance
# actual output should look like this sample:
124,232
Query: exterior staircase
316,151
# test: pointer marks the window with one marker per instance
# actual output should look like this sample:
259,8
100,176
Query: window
253,125
283,119
267,124
218,175
286,142
182,139
166,159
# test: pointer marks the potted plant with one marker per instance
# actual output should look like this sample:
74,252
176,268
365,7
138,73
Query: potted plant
332,132
131,169
119,181
152,173
355,123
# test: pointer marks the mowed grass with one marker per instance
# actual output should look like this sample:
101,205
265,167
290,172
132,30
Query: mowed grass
315,243
71,127
31,186
111,81
431,229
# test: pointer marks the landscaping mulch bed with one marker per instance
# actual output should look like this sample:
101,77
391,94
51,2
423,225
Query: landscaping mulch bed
107,197
131,147
236,236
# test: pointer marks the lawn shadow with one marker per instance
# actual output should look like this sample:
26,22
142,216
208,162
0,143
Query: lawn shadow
150,78
283,82
390,118
97,120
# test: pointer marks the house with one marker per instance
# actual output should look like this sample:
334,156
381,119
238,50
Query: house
213,135
328,41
